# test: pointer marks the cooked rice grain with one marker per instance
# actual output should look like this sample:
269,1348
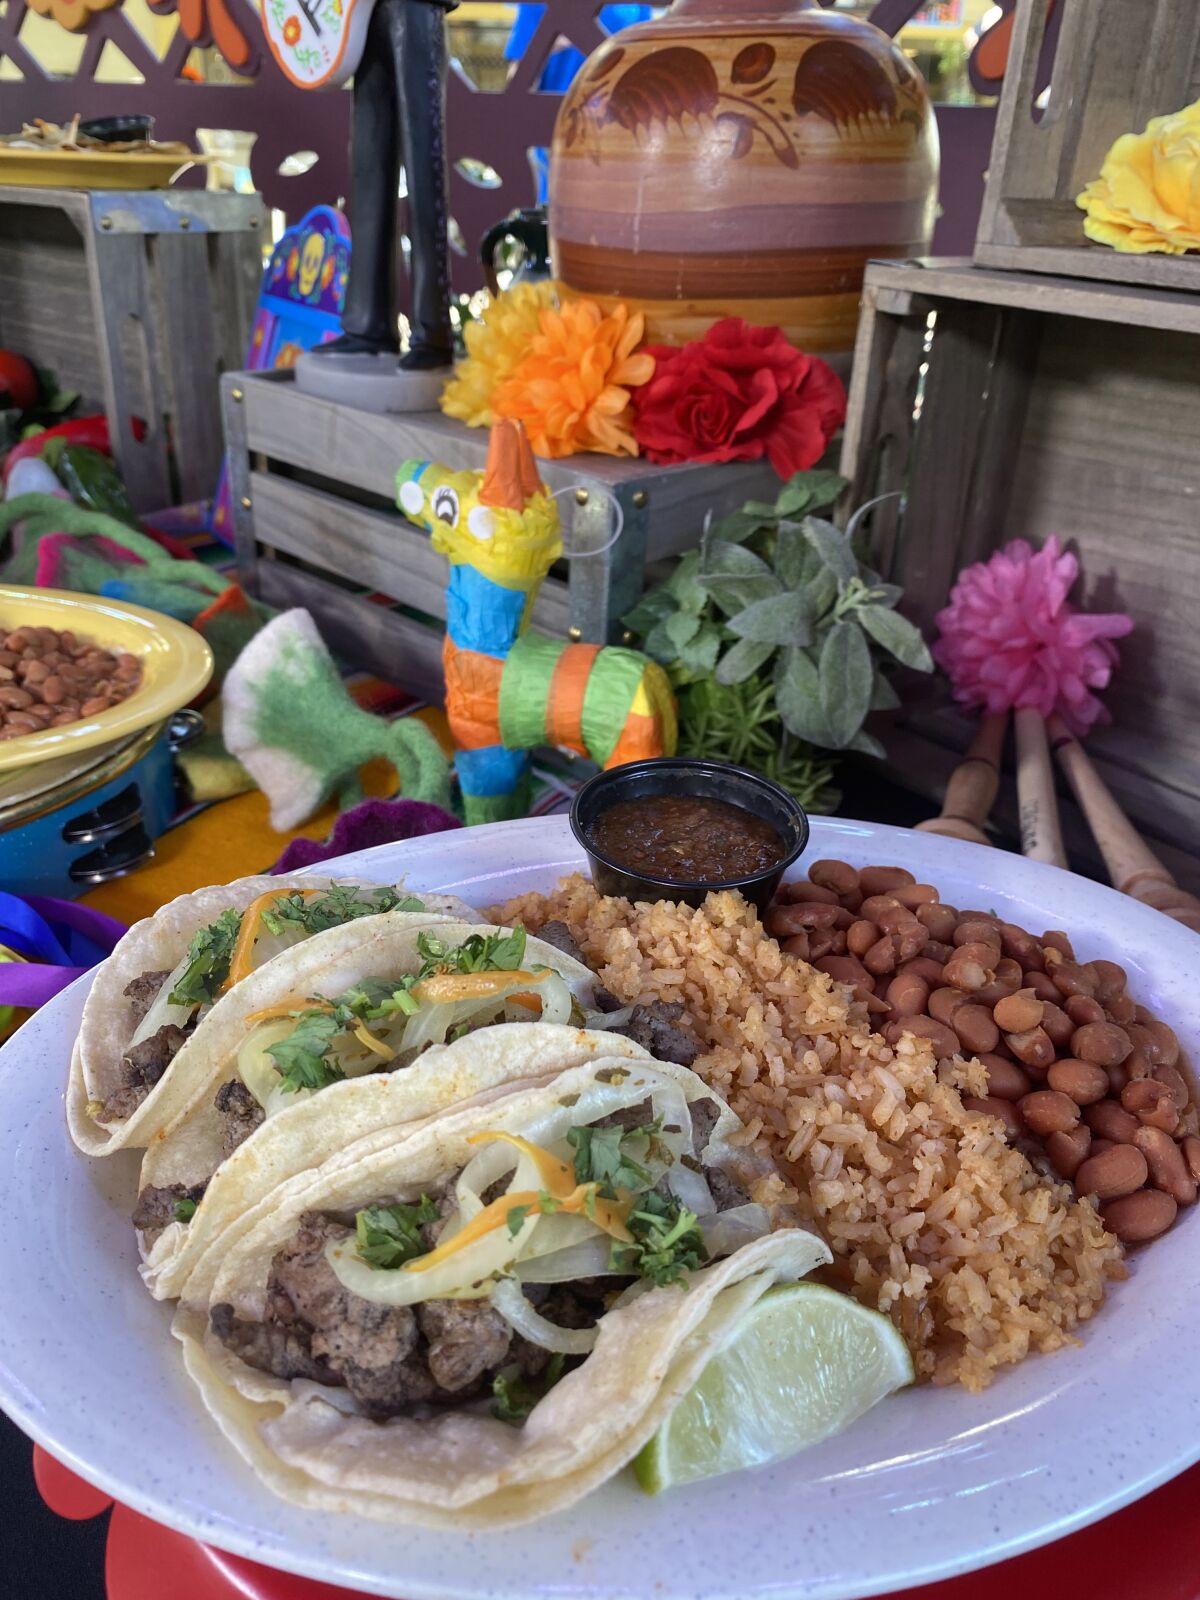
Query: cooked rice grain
931,1216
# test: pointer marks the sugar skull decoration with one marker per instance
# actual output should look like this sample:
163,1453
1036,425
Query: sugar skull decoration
509,689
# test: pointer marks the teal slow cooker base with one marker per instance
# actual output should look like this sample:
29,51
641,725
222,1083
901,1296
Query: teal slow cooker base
95,837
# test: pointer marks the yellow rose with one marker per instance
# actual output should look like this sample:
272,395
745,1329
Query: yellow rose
1147,197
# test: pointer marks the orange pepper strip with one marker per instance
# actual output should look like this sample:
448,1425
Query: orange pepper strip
239,961
445,987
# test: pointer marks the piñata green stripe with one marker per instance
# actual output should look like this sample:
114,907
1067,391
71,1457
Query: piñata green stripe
611,686
525,690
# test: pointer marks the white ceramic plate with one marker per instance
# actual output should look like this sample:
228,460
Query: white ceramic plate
931,1483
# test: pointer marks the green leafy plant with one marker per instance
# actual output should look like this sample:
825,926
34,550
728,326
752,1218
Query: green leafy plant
778,640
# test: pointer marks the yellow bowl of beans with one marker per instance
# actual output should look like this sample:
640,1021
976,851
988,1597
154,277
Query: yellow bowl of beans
78,672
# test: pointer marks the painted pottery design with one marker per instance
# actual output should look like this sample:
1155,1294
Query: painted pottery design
742,158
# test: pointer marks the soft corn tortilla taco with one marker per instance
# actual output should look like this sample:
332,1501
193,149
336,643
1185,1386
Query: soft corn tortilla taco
477,1323
368,1114
358,1005
169,971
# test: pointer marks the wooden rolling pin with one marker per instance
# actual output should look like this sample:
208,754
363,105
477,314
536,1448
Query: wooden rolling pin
1041,836
1133,868
971,791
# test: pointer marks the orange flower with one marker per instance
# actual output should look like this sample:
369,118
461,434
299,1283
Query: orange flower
572,389
291,31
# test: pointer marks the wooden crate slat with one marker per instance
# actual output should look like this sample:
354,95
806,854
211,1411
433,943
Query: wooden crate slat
365,450
370,547
1118,63
395,648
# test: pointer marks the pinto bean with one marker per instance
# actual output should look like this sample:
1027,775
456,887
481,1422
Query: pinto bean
943,1003
967,972
1168,1169
1167,1042
838,876
1081,1009
943,1039
1042,986
1032,1047
1070,978
880,880
1084,1082
915,895
1068,1149
1114,1172
1046,1111
1110,980
844,969
807,893
1006,1081
940,920
802,915
976,1031
876,906
880,959
1121,1009
1021,947
860,936
907,995
1020,1012
1101,1042
1108,1120
931,971
935,950
1058,940
1138,1218
993,1107
1151,1103
1173,1079
1191,1155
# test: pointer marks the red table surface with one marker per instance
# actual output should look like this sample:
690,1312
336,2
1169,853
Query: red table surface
1148,1551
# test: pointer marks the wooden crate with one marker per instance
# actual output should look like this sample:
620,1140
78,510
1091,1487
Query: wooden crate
1009,405
140,300
1118,64
316,524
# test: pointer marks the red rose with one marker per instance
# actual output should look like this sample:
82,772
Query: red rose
738,394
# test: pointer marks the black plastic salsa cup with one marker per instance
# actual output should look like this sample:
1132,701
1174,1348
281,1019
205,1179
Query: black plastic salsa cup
678,775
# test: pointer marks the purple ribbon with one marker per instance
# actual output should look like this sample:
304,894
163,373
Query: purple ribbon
61,940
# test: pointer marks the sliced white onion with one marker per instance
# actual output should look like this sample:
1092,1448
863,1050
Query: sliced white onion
555,997
587,1259
161,1010
256,1068
600,1020
727,1231
462,1276
523,1319
690,1189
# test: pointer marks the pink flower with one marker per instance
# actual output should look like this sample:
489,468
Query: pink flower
1009,638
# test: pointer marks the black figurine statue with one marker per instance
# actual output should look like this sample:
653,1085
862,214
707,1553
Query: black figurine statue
399,124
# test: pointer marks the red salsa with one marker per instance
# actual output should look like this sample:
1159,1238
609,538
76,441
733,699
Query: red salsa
688,838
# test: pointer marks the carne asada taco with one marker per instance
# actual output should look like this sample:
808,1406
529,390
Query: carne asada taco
477,1323
170,969
358,1004
199,1223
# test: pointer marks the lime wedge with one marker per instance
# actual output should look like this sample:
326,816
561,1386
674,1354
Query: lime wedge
804,1363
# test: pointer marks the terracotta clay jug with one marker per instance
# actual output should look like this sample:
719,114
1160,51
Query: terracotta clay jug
742,157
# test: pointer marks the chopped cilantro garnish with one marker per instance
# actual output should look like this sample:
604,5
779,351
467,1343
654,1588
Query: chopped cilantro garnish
516,1219
184,1210
547,1204
667,1242
609,1156
388,1236
516,1396
208,960
302,1058
481,952
342,903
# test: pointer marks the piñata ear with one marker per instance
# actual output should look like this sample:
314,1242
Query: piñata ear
502,484
531,478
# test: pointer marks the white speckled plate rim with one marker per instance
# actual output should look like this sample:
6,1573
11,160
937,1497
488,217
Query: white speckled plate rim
932,1483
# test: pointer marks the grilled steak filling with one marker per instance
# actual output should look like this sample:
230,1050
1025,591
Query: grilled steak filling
240,1114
